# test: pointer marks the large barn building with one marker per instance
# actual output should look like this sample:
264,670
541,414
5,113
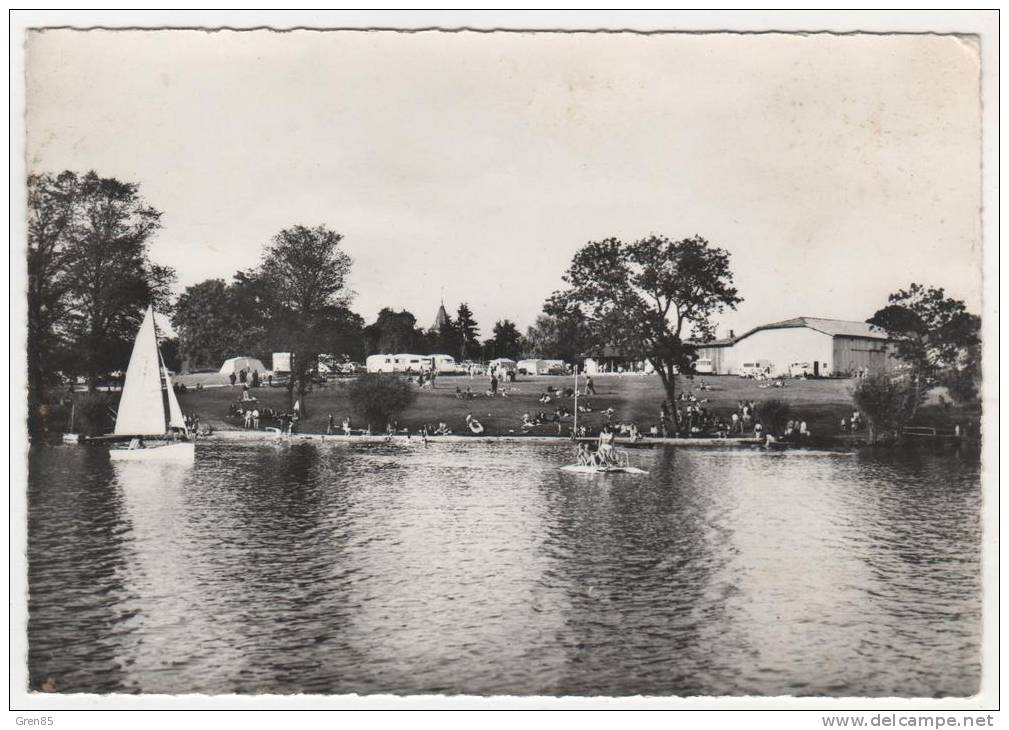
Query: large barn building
819,347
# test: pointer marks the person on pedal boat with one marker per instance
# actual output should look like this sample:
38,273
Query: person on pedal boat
605,453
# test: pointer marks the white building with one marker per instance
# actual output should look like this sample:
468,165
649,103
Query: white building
819,347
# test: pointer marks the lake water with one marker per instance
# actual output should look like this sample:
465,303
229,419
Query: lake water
482,569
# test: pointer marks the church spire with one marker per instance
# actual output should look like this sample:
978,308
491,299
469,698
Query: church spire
442,316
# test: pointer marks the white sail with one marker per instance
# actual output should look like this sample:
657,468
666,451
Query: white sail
175,417
141,408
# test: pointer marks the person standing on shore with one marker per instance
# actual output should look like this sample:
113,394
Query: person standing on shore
255,419
330,425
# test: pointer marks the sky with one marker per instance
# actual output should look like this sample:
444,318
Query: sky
834,168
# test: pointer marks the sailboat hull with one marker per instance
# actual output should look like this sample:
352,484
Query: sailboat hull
181,453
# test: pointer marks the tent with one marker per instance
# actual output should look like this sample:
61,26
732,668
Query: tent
236,364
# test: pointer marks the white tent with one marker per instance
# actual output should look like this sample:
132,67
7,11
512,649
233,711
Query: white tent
236,364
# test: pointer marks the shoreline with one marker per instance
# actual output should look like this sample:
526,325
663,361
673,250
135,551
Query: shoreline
261,436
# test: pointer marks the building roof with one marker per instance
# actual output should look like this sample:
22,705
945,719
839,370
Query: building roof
832,327
724,342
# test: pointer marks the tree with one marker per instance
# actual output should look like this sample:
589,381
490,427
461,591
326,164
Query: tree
171,353
468,332
52,204
341,334
936,337
506,342
301,286
645,298
558,334
208,324
887,402
109,278
445,339
394,332
379,397
774,414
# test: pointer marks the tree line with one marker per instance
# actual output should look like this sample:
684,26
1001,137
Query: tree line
90,277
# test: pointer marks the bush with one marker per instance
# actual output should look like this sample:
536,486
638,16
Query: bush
773,414
886,402
377,398
93,414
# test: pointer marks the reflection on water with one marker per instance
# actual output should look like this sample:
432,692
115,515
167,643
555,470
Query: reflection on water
478,570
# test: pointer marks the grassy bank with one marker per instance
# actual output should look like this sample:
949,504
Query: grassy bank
821,403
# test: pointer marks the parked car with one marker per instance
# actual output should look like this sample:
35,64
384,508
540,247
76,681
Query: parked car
704,365
800,369
755,369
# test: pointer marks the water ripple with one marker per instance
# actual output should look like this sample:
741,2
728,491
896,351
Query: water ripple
472,569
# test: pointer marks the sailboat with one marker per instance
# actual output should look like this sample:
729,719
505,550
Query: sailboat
149,414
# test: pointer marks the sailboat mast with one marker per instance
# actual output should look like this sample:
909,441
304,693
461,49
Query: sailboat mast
574,428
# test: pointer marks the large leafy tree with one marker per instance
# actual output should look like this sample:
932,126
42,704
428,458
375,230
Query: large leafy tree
301,286
936,337
394,332
52,206
209,328
468,332
646,298
559,334
109,278
506,342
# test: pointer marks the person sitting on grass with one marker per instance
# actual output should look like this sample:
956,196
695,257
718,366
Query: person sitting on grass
545,398
527,422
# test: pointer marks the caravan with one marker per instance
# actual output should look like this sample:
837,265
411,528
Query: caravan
402,363
444,364
380,364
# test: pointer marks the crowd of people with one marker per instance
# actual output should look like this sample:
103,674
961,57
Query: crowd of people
247,378
690,416
248,412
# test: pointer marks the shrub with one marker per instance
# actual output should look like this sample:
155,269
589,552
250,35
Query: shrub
378,397
886,402
773,414
93,414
